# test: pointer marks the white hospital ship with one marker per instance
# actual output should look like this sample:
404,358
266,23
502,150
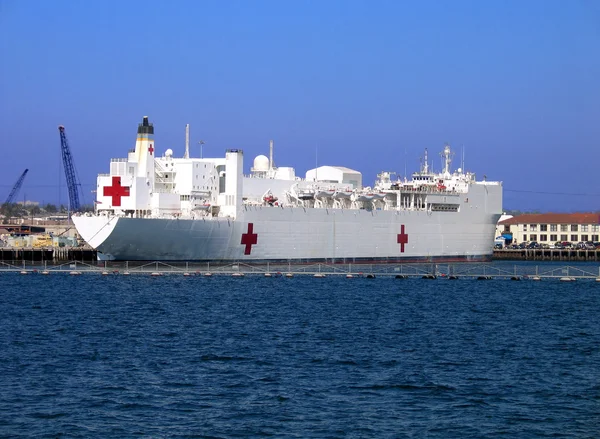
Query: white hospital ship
205,209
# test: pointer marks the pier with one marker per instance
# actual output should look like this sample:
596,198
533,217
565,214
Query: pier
538,254
57,255
54,254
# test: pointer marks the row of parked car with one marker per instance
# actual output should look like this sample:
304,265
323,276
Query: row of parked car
589,245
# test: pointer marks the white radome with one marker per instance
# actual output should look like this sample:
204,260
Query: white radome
261,163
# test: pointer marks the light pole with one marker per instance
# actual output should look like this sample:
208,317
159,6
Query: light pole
202,142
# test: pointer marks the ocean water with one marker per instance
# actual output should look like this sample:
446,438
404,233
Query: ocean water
192,357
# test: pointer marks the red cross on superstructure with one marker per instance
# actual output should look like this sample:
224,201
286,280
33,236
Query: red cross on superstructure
250,238
402,238
151,149
116,191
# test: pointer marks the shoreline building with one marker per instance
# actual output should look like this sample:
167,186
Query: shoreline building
549,228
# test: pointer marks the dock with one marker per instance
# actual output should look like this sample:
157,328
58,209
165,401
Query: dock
551,254
16,255
54,254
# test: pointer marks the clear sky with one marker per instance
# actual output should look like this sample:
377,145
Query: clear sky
362,84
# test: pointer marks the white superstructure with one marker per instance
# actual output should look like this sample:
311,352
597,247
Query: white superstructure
168,208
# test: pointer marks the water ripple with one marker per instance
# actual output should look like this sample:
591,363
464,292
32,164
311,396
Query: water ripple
220,358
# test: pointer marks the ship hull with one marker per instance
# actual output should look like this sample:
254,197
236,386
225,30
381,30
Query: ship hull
272,234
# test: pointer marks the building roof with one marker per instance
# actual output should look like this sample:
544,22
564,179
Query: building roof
553,218
346,170
337,168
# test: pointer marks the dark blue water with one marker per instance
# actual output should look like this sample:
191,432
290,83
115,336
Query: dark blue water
116,357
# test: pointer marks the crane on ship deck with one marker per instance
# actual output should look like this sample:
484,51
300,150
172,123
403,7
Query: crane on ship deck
73,184
16,188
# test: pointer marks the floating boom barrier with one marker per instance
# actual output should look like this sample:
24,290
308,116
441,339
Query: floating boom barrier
466,271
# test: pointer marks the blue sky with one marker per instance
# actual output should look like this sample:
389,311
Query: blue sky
367,84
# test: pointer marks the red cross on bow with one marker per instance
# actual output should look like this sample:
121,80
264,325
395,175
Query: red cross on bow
151,149
116,191
249,238
402,238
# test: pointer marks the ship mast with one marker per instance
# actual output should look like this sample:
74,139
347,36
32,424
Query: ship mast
447,154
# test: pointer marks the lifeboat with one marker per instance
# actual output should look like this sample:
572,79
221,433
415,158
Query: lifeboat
306,195
365,197
325,193
342,194
371,196
270,199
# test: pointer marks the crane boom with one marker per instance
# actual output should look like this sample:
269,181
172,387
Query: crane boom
71,176
16,187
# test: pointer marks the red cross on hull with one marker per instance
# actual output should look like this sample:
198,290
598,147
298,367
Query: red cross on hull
249,239
116,191
402,238
151,149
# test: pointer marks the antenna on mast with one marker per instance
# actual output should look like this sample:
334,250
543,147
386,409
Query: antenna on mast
270,155
447,155
187,141
316,161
